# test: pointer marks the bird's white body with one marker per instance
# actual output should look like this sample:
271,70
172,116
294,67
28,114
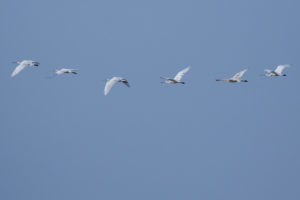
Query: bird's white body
65,71
277,72
177,78
22,65
111,82
236,78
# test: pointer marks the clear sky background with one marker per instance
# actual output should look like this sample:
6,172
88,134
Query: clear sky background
61,138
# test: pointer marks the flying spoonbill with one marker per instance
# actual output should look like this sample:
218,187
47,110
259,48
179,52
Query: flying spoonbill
111,82
277,71
22,65
236,78
66,71
177,78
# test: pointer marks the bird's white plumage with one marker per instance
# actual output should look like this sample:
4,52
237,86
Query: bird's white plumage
280,68
277,72
65,70
180,74
110,83
21,66
239,75
18,69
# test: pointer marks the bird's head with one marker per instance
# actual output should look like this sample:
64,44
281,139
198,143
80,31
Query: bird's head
36,64
284,75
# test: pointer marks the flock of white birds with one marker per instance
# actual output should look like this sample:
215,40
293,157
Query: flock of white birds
177,79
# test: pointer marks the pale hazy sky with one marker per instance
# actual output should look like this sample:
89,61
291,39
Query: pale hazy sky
61,138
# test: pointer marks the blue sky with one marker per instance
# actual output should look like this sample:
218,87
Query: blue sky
61,138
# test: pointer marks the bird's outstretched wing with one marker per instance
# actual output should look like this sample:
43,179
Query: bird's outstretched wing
280,68
239,75
18,69
180,74
110,83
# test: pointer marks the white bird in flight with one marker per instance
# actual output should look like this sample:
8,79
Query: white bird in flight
66,71
277,71
111,82
177,78
236,78
22,65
